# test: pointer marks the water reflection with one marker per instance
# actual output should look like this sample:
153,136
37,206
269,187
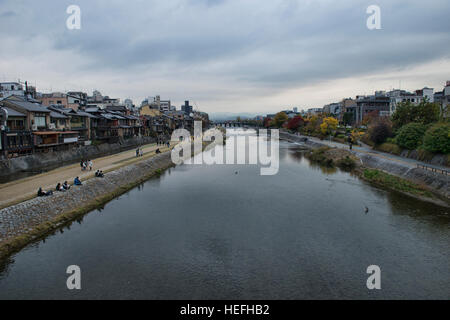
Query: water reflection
204,232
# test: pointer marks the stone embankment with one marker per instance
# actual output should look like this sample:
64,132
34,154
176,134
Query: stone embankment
40,161
30,220
435,182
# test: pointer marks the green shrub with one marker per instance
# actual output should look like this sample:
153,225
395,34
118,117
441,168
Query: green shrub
346,163
437,138
318,155
380,131
391,140
389,148
411,135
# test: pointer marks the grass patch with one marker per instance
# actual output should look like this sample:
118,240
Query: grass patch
392,182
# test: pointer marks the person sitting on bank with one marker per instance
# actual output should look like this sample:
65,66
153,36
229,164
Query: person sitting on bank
157,151
100,174
59,187
42,193
66,186
77,181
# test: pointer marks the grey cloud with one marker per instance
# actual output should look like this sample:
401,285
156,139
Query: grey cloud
263,43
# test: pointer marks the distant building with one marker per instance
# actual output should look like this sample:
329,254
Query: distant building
398,96
157,103
314,111
11,88
76,99
128,103
186,108
379,103
58,98
446,100
333,108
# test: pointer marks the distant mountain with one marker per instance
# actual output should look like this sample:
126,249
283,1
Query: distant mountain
222,116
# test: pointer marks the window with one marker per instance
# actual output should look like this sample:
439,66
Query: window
39,119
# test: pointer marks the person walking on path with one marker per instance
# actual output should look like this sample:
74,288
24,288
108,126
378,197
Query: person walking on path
91,165
350,141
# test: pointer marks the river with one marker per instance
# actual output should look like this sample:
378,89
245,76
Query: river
226,232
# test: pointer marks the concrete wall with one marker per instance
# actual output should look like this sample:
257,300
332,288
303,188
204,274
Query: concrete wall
41,161
436,181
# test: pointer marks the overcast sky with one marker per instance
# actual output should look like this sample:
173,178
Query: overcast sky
227,55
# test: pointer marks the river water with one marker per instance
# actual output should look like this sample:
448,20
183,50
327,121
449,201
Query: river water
226,232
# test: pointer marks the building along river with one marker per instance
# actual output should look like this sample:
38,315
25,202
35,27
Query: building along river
226,232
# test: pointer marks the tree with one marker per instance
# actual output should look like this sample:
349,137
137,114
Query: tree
295,123
279,119
424,113
437,138
328,125
410,136
313,122
355,136
380,130
370,118
347,118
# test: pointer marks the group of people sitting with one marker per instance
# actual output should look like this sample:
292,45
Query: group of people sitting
42,193
99,174
59,187
62,187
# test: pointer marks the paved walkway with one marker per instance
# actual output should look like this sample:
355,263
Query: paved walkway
20,190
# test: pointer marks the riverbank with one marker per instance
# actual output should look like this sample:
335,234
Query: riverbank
33,219
381,172
17,191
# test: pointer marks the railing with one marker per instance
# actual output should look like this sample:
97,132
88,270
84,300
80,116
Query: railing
434,169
